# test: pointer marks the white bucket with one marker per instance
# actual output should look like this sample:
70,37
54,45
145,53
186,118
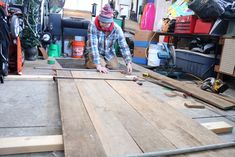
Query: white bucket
153,59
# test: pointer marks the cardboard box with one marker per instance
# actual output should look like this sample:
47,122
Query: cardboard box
143,38
144,35
140,52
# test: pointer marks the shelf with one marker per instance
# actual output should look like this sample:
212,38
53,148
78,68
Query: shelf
189,35
216,69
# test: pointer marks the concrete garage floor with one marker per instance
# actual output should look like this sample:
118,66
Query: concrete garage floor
31,108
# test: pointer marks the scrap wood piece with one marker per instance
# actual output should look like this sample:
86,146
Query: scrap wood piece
170,94
31,144
189,89
218,127
43,52
193,104
176,93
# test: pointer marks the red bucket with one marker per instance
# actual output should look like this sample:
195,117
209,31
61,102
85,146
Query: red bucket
77,49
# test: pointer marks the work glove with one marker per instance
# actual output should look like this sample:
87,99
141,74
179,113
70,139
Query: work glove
129,68
101,69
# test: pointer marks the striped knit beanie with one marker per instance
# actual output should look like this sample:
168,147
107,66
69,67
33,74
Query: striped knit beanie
106,14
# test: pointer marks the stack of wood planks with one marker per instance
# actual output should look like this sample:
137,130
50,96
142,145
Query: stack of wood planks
216,100
108,118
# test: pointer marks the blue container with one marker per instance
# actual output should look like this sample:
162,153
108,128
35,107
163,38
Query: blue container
201,65
144,44
139,60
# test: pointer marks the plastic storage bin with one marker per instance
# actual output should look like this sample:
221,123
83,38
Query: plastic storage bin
201,65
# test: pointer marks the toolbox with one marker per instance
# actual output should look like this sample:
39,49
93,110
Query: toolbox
185,24
203,27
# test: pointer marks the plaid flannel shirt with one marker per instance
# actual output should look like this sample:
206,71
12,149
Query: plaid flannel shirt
102,45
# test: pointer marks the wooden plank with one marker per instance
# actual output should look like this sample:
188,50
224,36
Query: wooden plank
89,74
43,52
218,127
227,98
30,144
191,104
170,94
29,77
114,137
144,134
77,14
180,130
79,134
189,89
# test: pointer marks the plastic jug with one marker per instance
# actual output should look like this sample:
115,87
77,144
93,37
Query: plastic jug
153,59
147,20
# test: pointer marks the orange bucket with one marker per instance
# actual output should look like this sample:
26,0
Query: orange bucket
77,49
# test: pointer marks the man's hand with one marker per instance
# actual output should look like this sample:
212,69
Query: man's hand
101,69
129,68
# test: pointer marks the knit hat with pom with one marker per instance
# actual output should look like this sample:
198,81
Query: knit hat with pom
106,14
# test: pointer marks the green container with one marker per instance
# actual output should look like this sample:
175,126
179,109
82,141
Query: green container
118,22
116,46
59,50
54,50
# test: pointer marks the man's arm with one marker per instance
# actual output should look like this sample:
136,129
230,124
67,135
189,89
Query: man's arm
124,48
92,37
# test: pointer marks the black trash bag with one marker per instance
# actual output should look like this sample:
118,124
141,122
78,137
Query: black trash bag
206,9
202,46
229,8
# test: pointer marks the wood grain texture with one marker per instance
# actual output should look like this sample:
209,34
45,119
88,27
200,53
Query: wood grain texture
114,137
179,129
80,136
147,137
218,127
189,89
127,120
30,144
